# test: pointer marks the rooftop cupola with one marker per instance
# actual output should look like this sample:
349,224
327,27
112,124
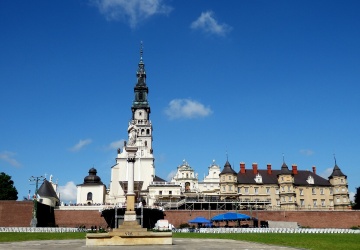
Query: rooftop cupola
336,171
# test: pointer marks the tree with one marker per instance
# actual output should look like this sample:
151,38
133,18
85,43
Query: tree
357,199
7,188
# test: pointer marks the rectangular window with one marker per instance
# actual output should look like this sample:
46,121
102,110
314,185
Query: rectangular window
229,177
323,203
277,191
268,190
283,198
331,191
301,191
160,192
230,188
282,188
290,198
313,191
331,203
337,200
239,190
289,188
315,203
246,190
223,178
302,202
344,199
170,192
223,187
278,202
321,191
256,190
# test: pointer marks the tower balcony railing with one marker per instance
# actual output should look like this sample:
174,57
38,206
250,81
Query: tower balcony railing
159,183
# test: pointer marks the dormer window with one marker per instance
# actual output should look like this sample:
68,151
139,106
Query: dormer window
310,180
258,178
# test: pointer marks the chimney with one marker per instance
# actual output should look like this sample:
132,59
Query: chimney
242,168
294,169
314,169
269,168
255,168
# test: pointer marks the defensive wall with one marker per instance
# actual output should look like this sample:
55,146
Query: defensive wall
19,214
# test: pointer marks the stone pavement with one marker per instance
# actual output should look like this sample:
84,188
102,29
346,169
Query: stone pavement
184,244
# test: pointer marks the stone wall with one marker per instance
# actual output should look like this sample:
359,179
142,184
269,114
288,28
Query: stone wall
15,213
19,213
76,218
313,219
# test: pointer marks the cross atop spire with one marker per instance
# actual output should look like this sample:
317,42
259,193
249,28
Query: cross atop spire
141,51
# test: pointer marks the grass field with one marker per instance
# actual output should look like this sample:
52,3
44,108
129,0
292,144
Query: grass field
307,241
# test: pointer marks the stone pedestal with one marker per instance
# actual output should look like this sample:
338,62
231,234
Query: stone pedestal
130,233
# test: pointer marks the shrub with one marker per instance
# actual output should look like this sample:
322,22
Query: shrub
184,225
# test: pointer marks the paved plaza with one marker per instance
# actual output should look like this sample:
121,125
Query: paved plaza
187,244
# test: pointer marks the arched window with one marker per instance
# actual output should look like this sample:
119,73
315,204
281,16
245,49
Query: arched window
89,196
187,186
148,131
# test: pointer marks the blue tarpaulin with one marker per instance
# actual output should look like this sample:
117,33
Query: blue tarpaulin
200,220
230,217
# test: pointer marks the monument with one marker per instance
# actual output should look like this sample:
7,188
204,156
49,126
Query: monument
130,232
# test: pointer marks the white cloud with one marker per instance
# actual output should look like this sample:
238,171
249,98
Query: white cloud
326,173
9,158
116,144
186,108
207,23
132,11
352,196
171,175
306,152
67,192
80,145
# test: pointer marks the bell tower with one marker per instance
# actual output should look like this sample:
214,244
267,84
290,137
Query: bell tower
140,136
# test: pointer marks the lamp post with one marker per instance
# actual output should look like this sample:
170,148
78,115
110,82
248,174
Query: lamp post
33,222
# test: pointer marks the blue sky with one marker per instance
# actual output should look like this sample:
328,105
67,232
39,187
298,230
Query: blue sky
249,79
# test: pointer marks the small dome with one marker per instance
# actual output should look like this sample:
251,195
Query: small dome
92,177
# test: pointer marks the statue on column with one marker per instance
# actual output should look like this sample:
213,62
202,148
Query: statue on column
132,134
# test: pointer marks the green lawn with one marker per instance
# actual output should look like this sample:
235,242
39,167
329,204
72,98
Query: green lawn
307,241
7,237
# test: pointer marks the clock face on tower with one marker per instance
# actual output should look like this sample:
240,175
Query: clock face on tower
140,114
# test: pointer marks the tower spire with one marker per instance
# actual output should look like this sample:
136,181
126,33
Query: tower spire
141,51
141,90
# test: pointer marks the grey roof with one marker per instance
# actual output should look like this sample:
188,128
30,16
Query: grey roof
46,190
300,179
285,169
158,179
336,172
228,169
